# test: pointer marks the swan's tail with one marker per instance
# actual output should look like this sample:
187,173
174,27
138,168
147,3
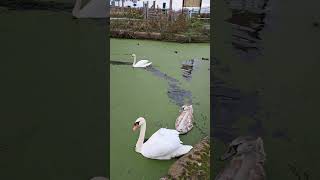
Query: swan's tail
182,150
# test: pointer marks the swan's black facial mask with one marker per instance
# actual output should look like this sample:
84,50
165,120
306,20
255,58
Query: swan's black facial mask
135,126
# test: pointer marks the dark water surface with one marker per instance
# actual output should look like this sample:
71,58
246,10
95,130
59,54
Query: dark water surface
265,82
44,5
53,88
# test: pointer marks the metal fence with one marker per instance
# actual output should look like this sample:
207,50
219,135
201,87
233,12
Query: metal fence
154,13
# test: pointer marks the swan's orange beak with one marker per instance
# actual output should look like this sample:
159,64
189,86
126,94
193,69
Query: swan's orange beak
135,127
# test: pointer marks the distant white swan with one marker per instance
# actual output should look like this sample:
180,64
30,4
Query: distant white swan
141,63
162,145
93,9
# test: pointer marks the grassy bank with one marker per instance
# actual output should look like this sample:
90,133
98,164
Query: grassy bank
180,30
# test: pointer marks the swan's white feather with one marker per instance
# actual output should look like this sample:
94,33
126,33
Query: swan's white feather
164,144
142,63
184,149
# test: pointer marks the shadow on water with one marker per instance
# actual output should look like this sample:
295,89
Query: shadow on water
120,63
177,94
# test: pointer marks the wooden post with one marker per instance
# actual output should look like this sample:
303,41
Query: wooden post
122,5
147,10
144,11
182,6
170,10
200,7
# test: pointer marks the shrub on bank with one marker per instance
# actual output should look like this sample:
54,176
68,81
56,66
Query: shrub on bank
134,13
180,26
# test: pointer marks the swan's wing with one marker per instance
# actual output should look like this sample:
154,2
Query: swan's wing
161,143
148,64
142,62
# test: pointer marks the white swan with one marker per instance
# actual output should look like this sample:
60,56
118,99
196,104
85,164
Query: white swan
141,63
162,145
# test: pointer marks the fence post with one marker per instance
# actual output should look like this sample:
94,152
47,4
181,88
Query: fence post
147,10
170,10
182,6
144,11
122,5
200,7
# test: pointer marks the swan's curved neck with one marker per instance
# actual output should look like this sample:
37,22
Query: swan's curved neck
134,60
141,137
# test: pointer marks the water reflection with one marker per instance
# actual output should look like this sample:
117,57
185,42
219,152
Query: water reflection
247,20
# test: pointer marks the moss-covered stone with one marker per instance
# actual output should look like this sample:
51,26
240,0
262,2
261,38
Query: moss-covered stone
194,165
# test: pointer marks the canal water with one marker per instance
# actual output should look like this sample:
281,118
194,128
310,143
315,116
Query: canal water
155,93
